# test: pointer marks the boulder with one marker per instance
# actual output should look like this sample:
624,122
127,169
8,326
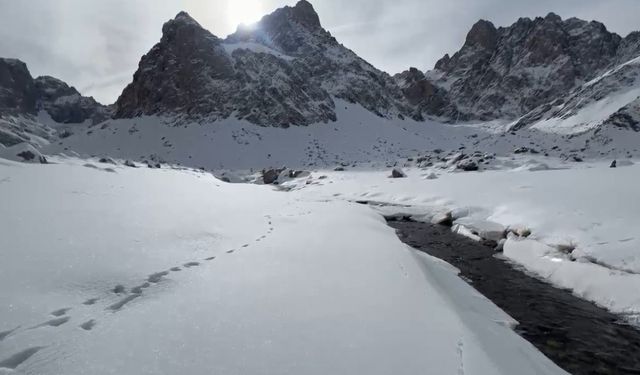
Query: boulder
131,164
106,161
467,165
270,176
398,173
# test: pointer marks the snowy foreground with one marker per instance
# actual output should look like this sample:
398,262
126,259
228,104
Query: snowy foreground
583,220
115,270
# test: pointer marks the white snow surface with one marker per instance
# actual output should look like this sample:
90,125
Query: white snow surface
313,286
358,137
583,220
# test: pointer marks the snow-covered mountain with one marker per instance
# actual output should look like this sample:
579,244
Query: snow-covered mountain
285,91
285,70
505,72
30,108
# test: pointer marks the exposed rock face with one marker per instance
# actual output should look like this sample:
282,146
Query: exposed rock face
17,89
614,85
426,97
65,104
20,94
507,72
283,71
21,97
627,117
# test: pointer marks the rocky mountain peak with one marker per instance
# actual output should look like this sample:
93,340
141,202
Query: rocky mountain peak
284,70
304,14
483,34
293,30
552,17
182,27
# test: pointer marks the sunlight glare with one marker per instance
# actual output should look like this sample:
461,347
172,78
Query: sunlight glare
244,11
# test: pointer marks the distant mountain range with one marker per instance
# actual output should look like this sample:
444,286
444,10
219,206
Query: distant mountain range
558,76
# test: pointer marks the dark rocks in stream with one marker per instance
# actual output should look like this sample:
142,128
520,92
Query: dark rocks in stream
577,335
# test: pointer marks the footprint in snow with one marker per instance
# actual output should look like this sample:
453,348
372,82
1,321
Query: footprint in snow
61,312
90,301
88,325
245,245
175,269
209,259
120,304
119,289
53,322
19,358
156,277
5,334
191,264
138,289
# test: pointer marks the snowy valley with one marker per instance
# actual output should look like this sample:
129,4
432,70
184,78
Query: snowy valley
227,213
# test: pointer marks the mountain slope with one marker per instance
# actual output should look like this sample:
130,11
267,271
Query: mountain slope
588,106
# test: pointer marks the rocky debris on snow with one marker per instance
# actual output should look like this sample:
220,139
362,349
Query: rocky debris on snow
270,176
613,164
397,173
107,160
129,163
297,173
23,152
524,150
467,165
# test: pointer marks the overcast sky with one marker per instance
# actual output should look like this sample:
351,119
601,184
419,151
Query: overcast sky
95,45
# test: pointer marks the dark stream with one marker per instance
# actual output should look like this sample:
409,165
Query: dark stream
577,335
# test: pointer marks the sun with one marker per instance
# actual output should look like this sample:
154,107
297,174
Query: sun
244,11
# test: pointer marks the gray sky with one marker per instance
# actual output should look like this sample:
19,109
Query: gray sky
95,45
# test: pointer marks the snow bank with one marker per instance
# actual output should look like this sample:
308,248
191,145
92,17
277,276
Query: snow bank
615,290
590,211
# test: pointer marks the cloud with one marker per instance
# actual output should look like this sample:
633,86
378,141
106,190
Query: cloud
96,45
